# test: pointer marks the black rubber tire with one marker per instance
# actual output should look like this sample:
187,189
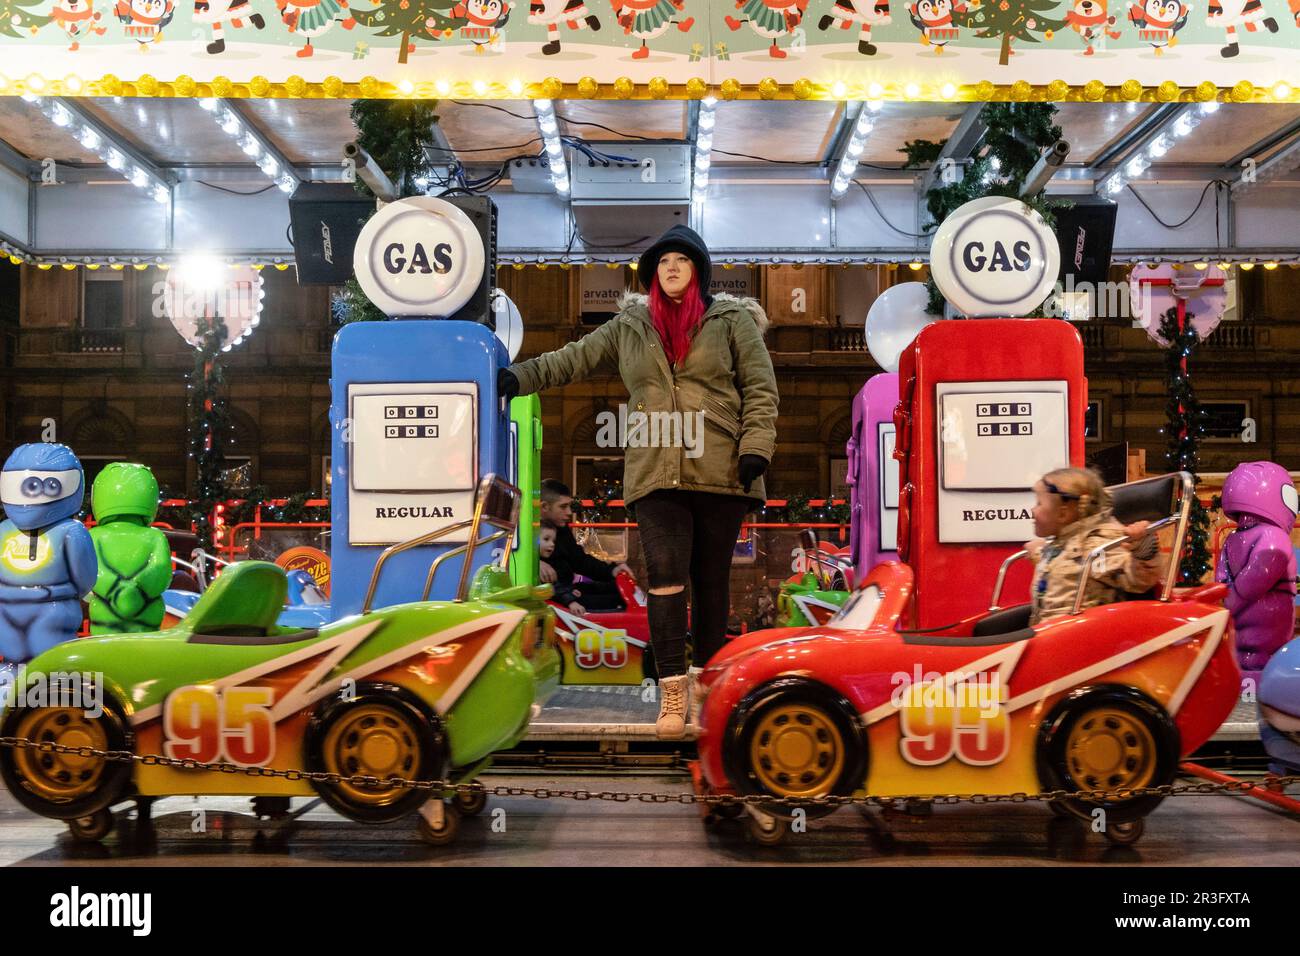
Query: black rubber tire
744,721
1053,733
470,804
1125,832
431,743
113,783
755,833
92,828
451,827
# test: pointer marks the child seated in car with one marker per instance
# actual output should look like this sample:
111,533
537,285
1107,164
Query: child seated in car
1073,512
579,597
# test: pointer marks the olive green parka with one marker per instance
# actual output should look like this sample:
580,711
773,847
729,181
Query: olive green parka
726,375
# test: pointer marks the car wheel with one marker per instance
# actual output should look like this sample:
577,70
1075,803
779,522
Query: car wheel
471,803
446,833
797,739
1126,833
770,832
384,731
92,828
1112,738
62,785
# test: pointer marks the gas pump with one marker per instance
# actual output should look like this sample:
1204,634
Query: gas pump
873,475
415,417
986,407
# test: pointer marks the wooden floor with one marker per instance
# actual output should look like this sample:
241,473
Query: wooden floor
1187,831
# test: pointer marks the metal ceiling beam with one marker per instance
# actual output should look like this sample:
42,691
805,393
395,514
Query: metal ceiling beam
1138,151
961,144
109,136
1280,163
1264,145
1122,144
13,160
235,122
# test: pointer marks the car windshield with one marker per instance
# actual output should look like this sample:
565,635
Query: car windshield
859,611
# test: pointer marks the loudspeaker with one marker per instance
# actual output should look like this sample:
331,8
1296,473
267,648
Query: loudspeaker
1085,233
326,219
483,212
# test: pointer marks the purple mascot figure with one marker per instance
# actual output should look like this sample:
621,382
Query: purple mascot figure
1258,563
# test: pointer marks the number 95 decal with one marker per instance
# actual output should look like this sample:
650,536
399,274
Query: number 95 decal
205,724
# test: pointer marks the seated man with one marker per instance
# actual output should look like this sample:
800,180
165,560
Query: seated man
1073,510
599,594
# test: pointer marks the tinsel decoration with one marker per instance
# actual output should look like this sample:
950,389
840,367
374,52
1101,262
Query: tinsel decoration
1185,427
209,425
1016,135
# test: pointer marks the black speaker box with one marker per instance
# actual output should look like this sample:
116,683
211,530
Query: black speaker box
326,219
482,211
1085,233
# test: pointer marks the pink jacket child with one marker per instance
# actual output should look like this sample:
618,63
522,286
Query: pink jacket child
1258,562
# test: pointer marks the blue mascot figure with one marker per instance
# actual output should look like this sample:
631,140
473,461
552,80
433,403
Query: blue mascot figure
47,558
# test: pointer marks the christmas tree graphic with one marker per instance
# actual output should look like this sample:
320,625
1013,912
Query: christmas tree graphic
1011,20
411,19
17,19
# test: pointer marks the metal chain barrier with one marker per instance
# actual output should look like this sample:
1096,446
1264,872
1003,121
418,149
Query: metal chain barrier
446,788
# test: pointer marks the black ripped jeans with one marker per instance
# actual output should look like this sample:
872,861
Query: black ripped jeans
687,537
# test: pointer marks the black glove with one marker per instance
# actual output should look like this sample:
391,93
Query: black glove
750,468
507,384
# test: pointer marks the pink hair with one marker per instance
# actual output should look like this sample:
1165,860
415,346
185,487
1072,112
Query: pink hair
675,321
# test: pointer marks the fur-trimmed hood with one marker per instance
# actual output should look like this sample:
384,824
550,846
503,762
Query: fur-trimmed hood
721,302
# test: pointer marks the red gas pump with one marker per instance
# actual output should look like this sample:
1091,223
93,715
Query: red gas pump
986,407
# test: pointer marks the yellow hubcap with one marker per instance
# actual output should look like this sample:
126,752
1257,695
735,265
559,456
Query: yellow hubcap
796,751
60,777
372,740
1109,749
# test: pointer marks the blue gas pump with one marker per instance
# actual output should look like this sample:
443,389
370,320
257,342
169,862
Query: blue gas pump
415,417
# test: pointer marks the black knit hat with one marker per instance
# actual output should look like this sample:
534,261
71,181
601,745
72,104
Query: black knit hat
681,239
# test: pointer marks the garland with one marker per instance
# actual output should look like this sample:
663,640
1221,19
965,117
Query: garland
1015,136
209,424
1185,417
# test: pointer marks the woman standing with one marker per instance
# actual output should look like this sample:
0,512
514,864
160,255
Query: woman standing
696,367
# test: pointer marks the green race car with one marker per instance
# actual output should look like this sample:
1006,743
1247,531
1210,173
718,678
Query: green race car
420,691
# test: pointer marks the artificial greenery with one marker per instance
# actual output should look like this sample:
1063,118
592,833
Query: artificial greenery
1185,427
209,425
1010,20
1015,136
398,135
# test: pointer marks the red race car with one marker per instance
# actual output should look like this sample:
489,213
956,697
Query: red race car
1108,698
606,647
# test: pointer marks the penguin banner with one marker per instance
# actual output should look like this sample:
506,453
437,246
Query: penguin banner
669,48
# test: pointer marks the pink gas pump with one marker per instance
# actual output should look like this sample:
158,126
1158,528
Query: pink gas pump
873,475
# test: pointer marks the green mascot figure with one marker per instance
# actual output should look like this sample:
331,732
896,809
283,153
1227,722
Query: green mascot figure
135,563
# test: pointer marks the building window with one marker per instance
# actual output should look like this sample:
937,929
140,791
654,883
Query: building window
101,311
1224,420
1092,421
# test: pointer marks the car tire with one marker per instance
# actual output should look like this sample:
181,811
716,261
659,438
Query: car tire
92,828
445,834
383,731
795,737
63,786
1108,738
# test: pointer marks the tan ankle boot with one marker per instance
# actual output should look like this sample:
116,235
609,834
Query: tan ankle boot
671,724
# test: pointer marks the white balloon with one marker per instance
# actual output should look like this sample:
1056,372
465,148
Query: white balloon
510,324
895,318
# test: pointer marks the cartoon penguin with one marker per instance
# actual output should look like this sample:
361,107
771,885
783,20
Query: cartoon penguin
47,558
483,19
213,12
869,13
145,19
1159,21
551,13
771,19
647,19
1092,21
1229,14
77,18
934,19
